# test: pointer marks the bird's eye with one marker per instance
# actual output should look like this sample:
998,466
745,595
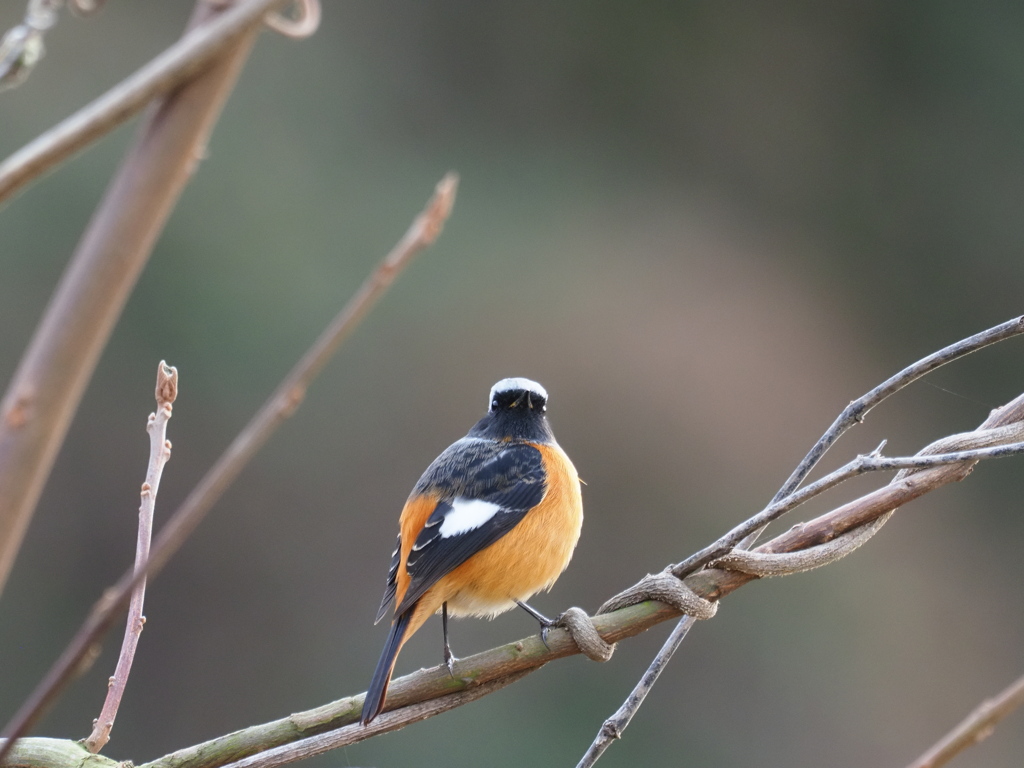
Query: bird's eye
494,403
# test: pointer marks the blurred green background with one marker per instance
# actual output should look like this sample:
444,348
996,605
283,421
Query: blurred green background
703,227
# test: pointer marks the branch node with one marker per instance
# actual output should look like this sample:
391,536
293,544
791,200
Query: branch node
581,627
20,412
611,730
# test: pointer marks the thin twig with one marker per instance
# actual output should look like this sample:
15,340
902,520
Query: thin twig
56,367
855,412
976,727
282,404
159,454
613,727
184,59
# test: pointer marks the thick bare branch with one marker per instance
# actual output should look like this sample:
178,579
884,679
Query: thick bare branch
159,454
282,404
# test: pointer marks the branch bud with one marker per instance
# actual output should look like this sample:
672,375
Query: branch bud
166,384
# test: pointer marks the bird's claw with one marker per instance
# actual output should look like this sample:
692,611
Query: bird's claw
449,661
544,629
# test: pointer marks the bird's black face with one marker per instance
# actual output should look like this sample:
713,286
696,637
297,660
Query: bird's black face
516,413
523,400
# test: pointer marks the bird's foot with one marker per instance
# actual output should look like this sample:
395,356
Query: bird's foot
545,623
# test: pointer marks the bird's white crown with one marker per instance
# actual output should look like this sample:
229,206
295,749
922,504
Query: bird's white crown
506,385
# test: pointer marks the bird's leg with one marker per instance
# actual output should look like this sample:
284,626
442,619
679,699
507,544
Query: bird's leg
449,657
545,623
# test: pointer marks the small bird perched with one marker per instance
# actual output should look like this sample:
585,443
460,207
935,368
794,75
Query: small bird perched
492,521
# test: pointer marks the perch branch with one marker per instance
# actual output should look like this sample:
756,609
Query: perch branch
391,721
976,727
159,454
530,653
183,60
42,752
523,656
282,404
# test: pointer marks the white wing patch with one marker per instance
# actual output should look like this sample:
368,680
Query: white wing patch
467,514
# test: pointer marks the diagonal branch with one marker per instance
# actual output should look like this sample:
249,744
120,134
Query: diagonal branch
282,404
159,454
974,728
855,412
390,721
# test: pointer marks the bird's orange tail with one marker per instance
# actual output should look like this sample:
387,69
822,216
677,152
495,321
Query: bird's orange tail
375,696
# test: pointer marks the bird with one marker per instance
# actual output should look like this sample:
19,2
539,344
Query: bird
492,521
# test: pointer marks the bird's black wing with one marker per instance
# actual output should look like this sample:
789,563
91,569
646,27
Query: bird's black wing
486,490
392,584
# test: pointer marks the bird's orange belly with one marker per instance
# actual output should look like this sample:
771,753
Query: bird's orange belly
527,559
